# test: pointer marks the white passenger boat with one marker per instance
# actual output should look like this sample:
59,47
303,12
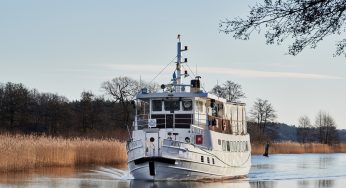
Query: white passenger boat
185,133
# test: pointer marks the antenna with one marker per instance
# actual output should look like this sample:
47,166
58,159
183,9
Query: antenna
140,81
177,81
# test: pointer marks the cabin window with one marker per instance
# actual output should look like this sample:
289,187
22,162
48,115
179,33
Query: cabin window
208,160
202,159
157,105
172,105
246,146
200,106
187,105
228,146
223,145
219,141
213,160
233,146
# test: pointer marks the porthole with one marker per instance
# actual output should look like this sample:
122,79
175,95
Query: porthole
152,139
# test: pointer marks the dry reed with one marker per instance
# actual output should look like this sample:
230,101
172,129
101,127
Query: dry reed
297,148
18,152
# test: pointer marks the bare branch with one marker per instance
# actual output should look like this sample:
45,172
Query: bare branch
306,21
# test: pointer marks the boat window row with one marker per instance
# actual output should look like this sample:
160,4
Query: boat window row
234,146
171,105
208,160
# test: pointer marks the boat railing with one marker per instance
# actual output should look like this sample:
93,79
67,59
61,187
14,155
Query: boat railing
179,144
201,118
142,121
165,120
134,145
172,143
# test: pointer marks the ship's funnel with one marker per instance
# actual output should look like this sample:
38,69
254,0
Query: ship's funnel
195,85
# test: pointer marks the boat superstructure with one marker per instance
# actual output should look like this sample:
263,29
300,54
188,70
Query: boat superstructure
183,132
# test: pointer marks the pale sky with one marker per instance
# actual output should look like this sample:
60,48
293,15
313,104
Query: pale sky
67,47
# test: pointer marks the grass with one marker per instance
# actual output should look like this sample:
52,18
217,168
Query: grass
297,148
24,152
19,152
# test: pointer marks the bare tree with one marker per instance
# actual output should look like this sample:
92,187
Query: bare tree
122,90
230,91
152,87
304,128
306,21
218,91
262,112
304,122
327,128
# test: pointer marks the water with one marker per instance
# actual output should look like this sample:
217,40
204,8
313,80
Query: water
277,171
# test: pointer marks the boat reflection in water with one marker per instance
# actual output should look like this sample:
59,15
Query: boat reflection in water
174,184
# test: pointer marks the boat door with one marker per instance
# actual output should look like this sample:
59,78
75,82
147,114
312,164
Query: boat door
152,144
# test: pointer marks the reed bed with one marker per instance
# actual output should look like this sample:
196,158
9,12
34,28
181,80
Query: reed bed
297,148
19,152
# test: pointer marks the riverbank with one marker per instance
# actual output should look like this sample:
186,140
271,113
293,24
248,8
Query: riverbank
21,152
297,148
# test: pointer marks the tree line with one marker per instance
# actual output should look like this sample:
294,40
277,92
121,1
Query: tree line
262,115
323,130
24,110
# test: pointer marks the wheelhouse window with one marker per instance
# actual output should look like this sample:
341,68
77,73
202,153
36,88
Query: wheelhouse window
187,105
156,105
172,105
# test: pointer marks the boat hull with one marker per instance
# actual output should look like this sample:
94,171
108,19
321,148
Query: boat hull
183,170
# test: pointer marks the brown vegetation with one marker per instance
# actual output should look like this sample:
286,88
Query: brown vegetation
20,152
296,148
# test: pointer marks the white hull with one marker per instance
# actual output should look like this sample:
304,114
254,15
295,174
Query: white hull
186,171
176,160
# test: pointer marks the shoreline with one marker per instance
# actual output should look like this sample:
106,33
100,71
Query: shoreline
27,152
298,148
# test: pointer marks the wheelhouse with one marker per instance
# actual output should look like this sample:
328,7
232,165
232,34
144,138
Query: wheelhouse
185,109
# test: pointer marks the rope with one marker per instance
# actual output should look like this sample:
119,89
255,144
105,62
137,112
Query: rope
162,70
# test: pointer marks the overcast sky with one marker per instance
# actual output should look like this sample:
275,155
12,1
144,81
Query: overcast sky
67,47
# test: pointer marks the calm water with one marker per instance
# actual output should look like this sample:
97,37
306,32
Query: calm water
277,171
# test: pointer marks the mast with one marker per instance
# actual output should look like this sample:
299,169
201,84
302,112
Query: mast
178,68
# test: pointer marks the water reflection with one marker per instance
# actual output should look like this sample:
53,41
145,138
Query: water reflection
263,184
303,183
326,161
277,171
325,183
172,184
